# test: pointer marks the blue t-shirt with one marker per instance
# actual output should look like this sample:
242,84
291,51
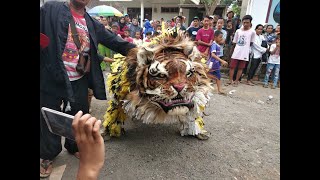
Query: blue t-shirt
215,63
270,38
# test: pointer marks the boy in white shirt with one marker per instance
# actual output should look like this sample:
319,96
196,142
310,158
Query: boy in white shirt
243,39
273,63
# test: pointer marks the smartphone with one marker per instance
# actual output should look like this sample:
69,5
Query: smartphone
58,123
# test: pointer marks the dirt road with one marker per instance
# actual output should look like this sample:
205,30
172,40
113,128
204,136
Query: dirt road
244,143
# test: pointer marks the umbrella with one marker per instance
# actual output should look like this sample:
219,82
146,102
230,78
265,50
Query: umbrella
104,10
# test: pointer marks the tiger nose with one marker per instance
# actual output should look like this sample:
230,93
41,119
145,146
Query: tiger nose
178,87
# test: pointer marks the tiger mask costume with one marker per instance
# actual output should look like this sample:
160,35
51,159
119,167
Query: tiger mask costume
166,83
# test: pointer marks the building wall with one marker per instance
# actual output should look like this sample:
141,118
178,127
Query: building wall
156,8
258,9
244,7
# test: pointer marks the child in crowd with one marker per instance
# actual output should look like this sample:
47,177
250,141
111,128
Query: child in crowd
273,63
159,29
127,37
137,39
214,62
219,26
114,29
147,39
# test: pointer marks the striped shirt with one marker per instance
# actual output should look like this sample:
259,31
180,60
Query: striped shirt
70,55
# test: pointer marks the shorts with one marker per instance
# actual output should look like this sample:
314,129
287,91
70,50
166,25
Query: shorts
234,62
216,73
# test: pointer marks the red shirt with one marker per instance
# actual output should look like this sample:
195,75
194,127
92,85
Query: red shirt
129,39
205,35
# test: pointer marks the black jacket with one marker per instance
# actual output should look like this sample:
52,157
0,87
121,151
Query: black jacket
54,22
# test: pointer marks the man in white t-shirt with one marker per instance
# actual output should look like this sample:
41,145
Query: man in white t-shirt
243,39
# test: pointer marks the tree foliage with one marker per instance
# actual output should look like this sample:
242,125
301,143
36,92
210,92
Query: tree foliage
210,5
236,9
226,2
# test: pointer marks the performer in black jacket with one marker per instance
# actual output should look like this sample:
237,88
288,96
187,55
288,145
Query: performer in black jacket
60,78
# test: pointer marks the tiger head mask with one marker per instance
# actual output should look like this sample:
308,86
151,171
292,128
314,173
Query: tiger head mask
167,81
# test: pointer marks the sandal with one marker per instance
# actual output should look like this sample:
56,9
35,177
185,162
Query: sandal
46,165
228,83
235,84
253,82
222,93
249,83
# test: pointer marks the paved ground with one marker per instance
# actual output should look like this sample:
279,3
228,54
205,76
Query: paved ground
244,143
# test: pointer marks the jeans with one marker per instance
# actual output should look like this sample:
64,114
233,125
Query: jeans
272,75
276,68
253,67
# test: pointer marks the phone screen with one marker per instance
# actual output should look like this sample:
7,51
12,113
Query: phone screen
59,123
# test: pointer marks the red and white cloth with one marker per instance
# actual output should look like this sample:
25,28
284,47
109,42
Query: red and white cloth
70,55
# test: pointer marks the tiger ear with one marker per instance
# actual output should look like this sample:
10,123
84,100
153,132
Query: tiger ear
144,56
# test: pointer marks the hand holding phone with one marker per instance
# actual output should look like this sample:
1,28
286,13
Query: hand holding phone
90,144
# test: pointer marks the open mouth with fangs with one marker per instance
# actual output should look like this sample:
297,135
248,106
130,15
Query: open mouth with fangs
167,104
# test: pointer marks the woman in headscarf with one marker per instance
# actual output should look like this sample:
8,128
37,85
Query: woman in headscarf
122,26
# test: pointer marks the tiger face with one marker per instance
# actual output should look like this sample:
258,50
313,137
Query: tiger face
166,82
171,83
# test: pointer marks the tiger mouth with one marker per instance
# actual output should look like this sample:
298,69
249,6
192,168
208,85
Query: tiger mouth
167,105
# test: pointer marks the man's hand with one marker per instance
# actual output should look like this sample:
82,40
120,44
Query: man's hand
90,144
205,54
224,63
106,59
